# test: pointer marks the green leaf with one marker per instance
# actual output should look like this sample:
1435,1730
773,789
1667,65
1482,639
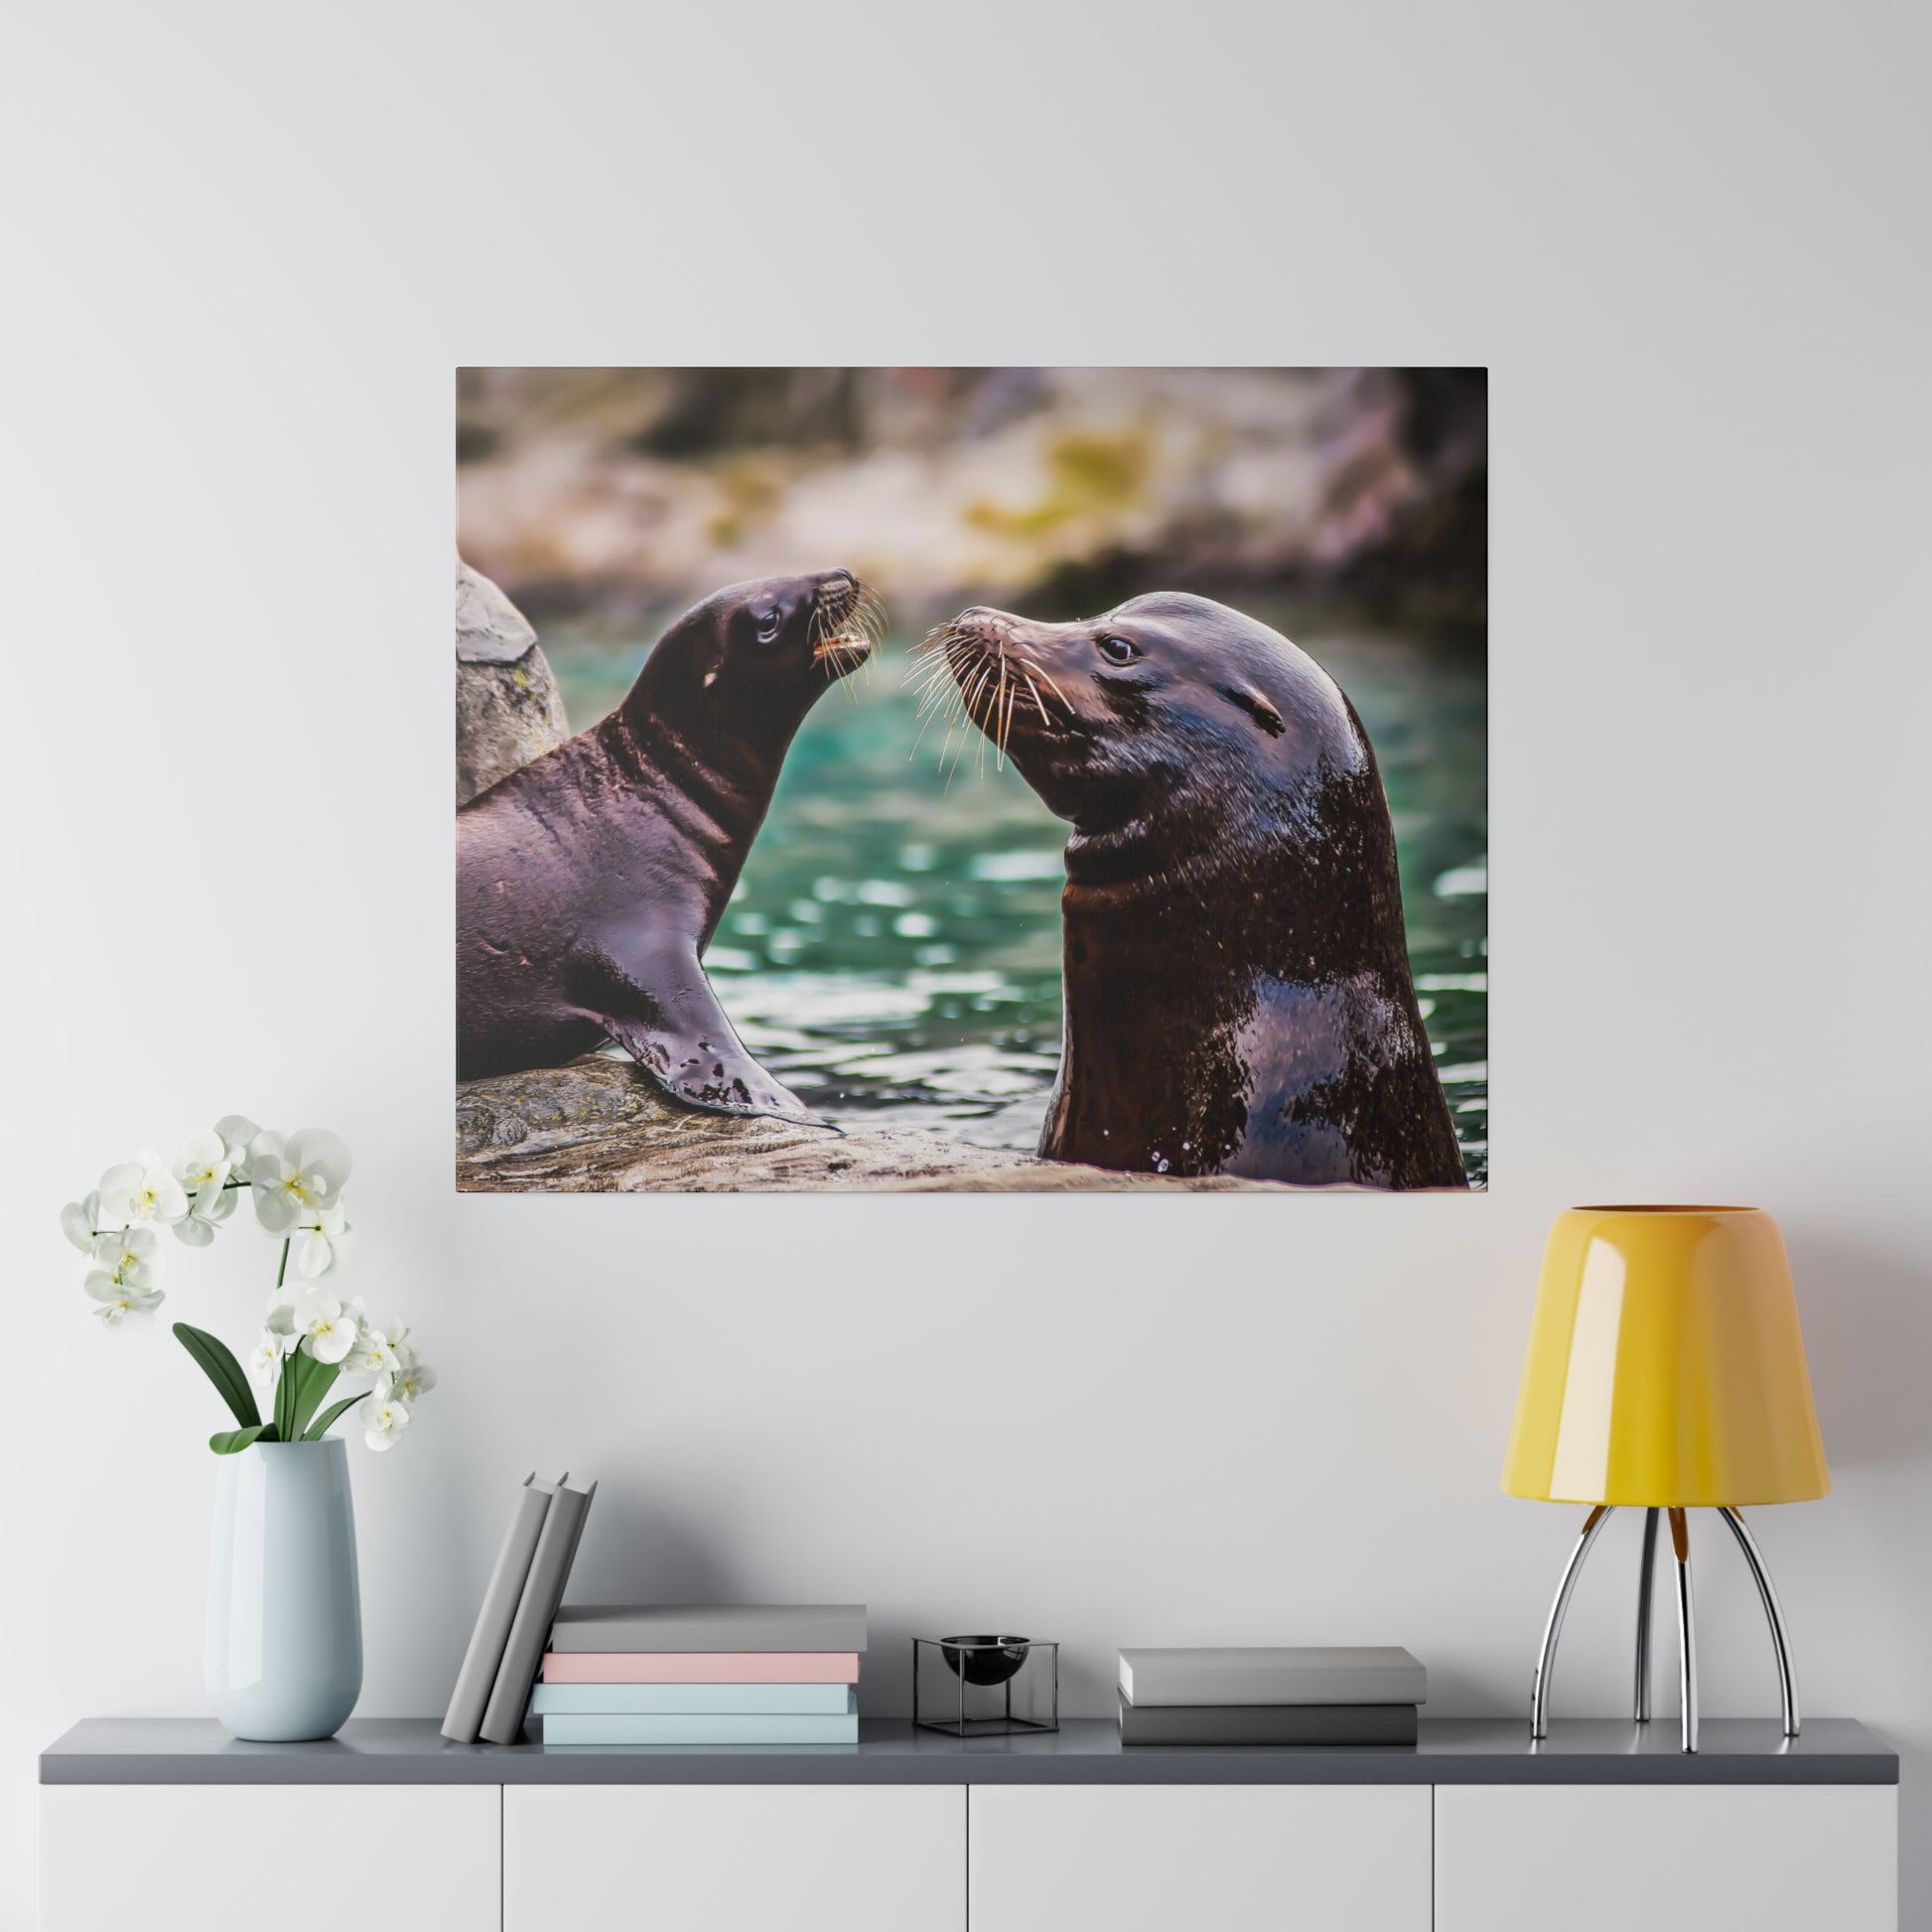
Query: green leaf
221,1368
329,1416
313,1381
232,1441
285,1395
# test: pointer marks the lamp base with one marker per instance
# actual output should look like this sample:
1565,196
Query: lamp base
1687,1656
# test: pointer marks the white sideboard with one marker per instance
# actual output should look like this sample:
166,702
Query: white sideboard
1164,1857
181,1858
170,1825
1590,1858
734,1858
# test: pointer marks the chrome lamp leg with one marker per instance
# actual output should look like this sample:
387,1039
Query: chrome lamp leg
1687,1639
1646,1575
1773,1615
1540,1684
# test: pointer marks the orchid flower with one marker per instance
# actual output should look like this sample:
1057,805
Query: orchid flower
296,1184
372,1353
301,1176
203,1165
130,1257
409,1384
317,1322
323,1241
382,1422
81,1222
211,1208
238,1133
120,1302
141,1189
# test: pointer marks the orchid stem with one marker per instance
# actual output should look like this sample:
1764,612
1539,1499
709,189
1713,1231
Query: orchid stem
282,1272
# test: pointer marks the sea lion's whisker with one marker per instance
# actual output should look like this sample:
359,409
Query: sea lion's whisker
1042,671
972,695
924,677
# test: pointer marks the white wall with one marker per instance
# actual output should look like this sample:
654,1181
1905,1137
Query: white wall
244,250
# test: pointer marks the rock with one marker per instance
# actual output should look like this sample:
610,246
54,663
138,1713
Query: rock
599,1125
508,709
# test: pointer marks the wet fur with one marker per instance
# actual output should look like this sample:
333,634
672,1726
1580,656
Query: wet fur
1236,976
590,881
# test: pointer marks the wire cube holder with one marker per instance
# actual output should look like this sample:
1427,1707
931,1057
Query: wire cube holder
985,1686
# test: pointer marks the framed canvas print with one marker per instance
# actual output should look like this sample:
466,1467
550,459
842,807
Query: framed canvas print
999,778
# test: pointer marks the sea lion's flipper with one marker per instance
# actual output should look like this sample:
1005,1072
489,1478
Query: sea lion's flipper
678,1033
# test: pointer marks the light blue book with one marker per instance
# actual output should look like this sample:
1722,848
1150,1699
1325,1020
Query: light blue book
695,1700
702,1728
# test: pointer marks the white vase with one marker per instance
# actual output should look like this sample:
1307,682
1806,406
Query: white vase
284,1657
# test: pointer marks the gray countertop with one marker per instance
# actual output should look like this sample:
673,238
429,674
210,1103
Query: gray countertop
410,1750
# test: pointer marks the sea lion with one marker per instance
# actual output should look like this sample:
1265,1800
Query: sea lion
1237,997
589,880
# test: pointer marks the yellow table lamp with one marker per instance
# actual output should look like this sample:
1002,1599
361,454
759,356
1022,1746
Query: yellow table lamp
1666,1371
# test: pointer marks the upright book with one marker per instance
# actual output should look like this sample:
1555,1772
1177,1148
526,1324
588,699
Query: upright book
477,1675
536,1610
1297,1674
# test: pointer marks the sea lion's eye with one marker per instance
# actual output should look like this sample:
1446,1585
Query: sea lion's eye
1117,651
768,628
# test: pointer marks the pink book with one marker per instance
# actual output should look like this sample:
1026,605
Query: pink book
700,1667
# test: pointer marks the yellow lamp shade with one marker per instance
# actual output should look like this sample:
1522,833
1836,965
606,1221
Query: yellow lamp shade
1666,1369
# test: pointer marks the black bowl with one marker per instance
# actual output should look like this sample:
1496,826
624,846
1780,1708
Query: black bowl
984,1660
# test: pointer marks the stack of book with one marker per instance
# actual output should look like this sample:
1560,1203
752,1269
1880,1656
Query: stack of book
492,1688
1300,1696
654,1673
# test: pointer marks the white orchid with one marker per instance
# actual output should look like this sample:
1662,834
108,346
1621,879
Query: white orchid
302,1175
383,1421
409,1384
130,1257
203,1165
81,1222
211,1208
324,1243
141,1189
315,1322
296,1184
399,1343
120,1302
372,1353
238,1134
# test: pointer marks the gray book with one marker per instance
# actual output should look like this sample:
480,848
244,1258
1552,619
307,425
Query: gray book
768,1627
543,1590
477,1677
1301,1674
1267,1724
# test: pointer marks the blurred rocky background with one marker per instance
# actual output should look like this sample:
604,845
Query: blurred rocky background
1062,489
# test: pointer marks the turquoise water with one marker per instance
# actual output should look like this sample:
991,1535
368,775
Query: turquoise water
893,951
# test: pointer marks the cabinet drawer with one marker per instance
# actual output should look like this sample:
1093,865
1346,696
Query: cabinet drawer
735,1858
1201,1858
1667,1858
185,1858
